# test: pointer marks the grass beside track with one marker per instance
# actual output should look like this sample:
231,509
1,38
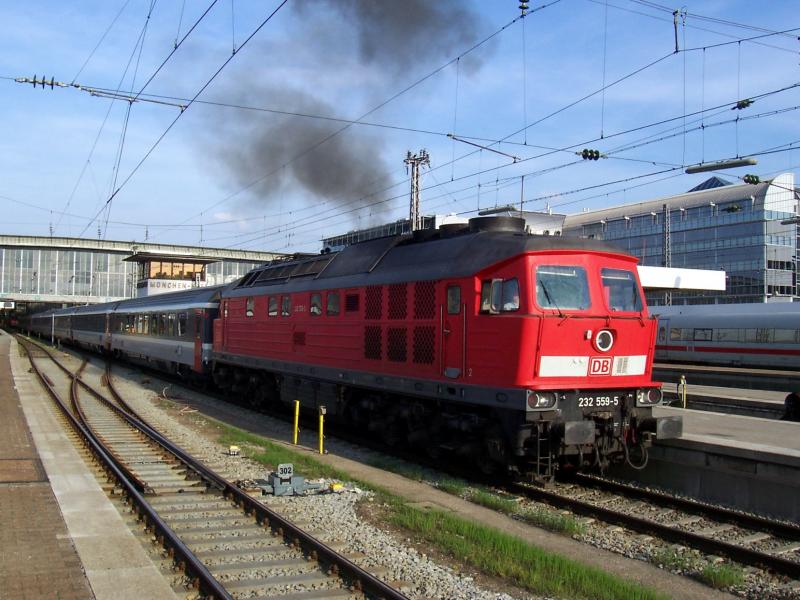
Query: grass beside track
539,517
495,553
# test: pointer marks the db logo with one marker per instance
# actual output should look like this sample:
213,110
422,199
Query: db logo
600,365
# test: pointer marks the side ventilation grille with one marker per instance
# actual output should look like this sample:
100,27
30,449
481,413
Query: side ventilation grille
423,345
396,344
373,302
372,342
424,300
398,301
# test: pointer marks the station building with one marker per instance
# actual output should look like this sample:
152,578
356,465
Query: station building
748,231
41,272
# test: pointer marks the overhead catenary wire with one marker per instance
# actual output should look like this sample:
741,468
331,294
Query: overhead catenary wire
615,157
200,91
100,130
124,132
696,27
724,108
396,95
623,78
101,40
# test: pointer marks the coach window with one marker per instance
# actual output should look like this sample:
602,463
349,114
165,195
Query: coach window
726,335
162,325
333,304
272,311
702,335
510,302
146,324
286,306
453,300
181,324
250,310
315,306
171,325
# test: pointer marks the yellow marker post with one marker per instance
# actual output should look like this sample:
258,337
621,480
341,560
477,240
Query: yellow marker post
296,419
321,429
683,390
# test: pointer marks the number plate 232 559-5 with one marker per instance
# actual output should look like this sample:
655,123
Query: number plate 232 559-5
598,401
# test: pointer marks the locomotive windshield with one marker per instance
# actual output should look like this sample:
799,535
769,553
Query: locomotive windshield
562,287
620,290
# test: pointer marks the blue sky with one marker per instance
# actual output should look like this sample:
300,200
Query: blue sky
243,177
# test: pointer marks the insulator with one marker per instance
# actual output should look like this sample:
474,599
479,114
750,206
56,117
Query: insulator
751,179
742,104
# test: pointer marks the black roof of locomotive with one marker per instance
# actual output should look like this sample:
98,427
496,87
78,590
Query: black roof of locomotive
425,256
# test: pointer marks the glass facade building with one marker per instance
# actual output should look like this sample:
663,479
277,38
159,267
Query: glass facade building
735,228
73,271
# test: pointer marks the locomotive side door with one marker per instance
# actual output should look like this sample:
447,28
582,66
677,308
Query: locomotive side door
453,333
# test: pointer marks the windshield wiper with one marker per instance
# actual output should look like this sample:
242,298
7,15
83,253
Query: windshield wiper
550,298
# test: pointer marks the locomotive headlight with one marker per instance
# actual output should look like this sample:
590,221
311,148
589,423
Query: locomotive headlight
540,400
649,397
604,340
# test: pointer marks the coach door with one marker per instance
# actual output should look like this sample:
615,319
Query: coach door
199,324
662,339
453,333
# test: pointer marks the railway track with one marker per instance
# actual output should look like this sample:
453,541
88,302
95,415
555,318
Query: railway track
714,530
228,544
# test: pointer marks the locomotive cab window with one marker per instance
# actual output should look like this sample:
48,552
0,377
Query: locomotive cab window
453,300
333,304
286,306
250,310
562,287
620,290
315,306
272,311
491,296
510,300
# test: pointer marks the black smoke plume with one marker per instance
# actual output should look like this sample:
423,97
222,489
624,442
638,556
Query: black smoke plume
394,41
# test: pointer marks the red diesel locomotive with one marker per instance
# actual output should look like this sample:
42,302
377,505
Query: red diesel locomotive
513,350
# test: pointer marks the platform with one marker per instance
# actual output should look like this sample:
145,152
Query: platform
38,559
748,463
67,539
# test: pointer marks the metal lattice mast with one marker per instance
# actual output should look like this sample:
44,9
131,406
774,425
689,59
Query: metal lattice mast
415,161
667,249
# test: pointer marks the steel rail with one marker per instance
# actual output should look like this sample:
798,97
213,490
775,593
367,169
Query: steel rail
362,580
739,554
718,513
205,582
